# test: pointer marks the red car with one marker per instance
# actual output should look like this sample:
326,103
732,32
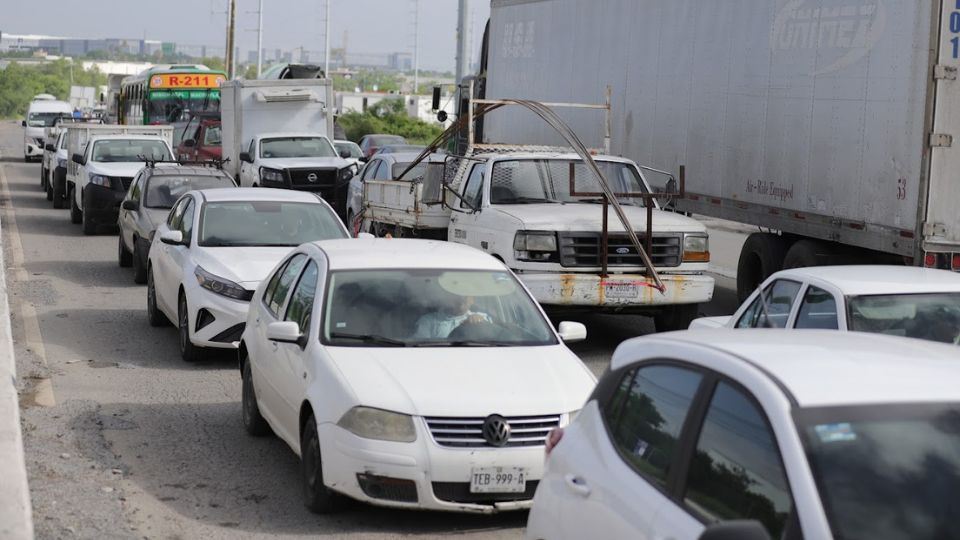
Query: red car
202,140
369,144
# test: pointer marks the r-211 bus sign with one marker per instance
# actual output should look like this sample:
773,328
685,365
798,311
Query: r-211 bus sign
186,80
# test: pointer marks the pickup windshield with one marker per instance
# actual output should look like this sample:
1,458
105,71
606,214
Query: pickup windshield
129,150
266,224
886,471
294,147
431,308
45,119
531,181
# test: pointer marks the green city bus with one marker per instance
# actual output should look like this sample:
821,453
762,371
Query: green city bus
169,93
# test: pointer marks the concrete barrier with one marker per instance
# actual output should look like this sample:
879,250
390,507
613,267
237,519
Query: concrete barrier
16,520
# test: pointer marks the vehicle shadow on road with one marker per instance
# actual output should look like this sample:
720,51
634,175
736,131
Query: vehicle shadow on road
196,461
88,273
55,223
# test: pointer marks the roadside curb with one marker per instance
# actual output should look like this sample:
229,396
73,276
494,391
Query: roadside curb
15,511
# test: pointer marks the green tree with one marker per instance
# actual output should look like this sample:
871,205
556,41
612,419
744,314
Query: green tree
19,83
389,116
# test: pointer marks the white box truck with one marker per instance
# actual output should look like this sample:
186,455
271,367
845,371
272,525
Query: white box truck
279,133
831,125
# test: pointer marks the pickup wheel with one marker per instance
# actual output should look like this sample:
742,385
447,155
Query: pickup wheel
76,215
89,227
317,497
762,255
676,317
253,422
59,191
139,266
124,257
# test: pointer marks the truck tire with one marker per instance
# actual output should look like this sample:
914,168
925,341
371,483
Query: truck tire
806,253
76,215
676,317
59,191
762,255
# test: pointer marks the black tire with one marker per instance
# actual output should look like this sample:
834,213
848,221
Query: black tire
188,351
48,187
124,257
762,255
43,177
154,316
139,267
76,215
317,497
805,253
676,317
89,226
253,422
59,191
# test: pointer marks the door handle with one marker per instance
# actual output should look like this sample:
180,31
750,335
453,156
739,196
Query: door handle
577,485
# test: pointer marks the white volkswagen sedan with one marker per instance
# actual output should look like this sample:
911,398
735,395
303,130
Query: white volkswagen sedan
215,248
771,433
905,301
408,373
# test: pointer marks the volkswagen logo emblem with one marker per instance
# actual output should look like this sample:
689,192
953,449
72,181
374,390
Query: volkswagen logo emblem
312,178
496,430
623,251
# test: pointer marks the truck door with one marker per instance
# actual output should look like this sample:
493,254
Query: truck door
249,173
941,228
462,230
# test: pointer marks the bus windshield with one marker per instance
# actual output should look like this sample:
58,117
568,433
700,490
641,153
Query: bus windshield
172,106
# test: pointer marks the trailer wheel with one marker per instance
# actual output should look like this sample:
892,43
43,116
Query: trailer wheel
762,255
806,253
676,317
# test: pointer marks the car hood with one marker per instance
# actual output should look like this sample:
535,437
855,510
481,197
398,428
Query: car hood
466,381
589,217
244,265
128,169
294,163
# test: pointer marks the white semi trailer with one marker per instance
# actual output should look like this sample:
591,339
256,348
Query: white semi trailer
828,124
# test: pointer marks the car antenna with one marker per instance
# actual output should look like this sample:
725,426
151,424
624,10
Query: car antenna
766,312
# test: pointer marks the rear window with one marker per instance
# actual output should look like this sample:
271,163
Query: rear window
163,191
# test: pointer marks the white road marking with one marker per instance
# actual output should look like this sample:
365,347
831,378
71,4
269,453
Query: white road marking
13,233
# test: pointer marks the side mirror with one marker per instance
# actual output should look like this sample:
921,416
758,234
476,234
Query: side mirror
130,204
23,123
188,143
435,103
345,154
49,147
433,183
78,159
740,529
245,156
571,332
284,332
364,159
173,238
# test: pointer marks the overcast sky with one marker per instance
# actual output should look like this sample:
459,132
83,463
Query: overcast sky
373,26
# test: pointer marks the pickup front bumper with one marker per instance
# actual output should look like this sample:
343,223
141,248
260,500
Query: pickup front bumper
618,291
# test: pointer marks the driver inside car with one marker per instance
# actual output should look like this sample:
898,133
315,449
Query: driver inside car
439,324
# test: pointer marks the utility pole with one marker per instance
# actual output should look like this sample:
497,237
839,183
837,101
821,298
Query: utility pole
259,37
326,41
416,46
463,22
231,21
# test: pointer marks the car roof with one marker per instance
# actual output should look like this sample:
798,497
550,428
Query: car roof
187,170
284,134
878,279
823,367
257,194
126,136
363,253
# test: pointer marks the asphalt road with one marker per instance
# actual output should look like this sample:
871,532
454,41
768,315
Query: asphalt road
125,440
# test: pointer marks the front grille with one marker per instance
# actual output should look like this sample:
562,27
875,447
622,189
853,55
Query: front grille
582,249
325,178
468,432
121,182
230,334
389,489
459,492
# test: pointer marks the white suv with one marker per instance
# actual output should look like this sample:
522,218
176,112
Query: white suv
808,434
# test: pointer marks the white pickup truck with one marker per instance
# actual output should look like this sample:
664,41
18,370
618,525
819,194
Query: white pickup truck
539,213
103,162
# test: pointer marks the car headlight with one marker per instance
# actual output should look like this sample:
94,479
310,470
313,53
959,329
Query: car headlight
379,424
696,248
271,175
347,173
221,286
539,246
62,163
100,180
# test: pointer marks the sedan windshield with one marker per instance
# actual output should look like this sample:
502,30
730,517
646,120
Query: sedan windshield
548,181
163,191
129,150
934,317
266,223
886,471
294,147
431,308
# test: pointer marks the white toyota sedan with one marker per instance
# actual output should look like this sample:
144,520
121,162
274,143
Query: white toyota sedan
905,301
408,373
766,433
214,249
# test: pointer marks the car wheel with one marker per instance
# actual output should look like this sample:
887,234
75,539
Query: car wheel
188,351
154,315
76,215
317,497
124,258
139,268
253,422
59,190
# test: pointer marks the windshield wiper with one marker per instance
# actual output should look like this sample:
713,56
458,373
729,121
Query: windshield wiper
526,200
379,340
461,343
